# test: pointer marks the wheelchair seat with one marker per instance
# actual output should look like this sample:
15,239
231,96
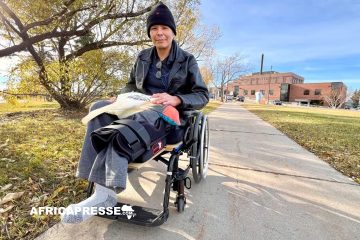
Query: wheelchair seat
167,148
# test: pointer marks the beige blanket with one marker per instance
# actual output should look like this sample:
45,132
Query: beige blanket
125,105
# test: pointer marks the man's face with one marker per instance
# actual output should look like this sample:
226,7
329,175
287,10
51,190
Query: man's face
161,36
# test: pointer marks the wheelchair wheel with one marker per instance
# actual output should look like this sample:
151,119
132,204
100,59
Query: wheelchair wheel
195,150
180,204
204,147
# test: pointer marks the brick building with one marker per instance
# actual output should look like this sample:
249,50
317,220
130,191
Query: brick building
287,87
315,93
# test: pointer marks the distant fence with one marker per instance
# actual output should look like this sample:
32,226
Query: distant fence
32,96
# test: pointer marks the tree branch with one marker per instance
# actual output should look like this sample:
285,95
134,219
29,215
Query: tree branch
8,24
117,16
12,15
32,40
53,34
101,45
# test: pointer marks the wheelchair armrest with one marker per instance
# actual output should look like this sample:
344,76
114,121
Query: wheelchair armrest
192,126
190,113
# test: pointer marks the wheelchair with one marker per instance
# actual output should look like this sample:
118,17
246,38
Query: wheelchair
195,143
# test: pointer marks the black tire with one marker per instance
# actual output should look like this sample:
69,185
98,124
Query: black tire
195,165
180,204
195,154
204,147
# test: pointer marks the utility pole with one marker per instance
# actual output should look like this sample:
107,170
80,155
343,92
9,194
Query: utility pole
269,84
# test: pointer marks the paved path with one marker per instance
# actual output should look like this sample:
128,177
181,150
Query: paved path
261,185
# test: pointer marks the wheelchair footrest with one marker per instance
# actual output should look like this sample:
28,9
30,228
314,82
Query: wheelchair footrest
136,214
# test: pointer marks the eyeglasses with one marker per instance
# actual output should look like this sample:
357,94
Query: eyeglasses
158,66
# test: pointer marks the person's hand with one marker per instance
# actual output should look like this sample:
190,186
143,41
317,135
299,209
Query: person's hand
112,99
165,99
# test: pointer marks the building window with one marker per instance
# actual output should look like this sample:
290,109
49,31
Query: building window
336,85
245,92
262,92
306,92
252,92
271,92
317,91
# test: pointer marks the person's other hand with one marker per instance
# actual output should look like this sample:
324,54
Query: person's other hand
112,99
165,99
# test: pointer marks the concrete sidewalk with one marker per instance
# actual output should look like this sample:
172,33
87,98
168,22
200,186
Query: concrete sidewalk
261,185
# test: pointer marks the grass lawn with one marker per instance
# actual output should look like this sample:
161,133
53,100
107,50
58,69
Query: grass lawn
39,151
211,106
27,106
331,134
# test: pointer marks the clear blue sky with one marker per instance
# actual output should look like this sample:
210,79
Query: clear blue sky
317,39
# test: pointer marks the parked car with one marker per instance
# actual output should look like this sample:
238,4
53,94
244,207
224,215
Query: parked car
240,98
277,102
229,97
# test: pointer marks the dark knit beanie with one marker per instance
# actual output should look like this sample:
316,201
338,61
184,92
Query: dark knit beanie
160,15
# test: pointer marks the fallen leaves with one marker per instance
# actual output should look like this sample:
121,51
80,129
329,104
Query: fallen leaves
5,144
38,159
4,210
10,197
7,160
56,192
6,187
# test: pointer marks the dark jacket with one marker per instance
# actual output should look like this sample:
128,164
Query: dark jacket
185,80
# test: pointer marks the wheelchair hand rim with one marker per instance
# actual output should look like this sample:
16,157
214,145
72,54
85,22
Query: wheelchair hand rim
204,147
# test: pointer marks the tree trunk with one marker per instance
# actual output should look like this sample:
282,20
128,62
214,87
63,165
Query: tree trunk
222,93
68,104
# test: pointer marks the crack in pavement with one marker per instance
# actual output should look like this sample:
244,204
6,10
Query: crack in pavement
224,130
283,174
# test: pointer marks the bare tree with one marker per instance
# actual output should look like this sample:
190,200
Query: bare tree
228,69
355,98
337,96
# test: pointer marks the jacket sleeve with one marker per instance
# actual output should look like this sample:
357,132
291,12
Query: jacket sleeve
199,94
130,85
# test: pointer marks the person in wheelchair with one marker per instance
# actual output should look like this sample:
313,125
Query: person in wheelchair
168,74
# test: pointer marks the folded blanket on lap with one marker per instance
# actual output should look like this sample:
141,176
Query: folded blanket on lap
128,104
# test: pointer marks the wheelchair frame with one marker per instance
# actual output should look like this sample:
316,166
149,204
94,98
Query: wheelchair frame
196,144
